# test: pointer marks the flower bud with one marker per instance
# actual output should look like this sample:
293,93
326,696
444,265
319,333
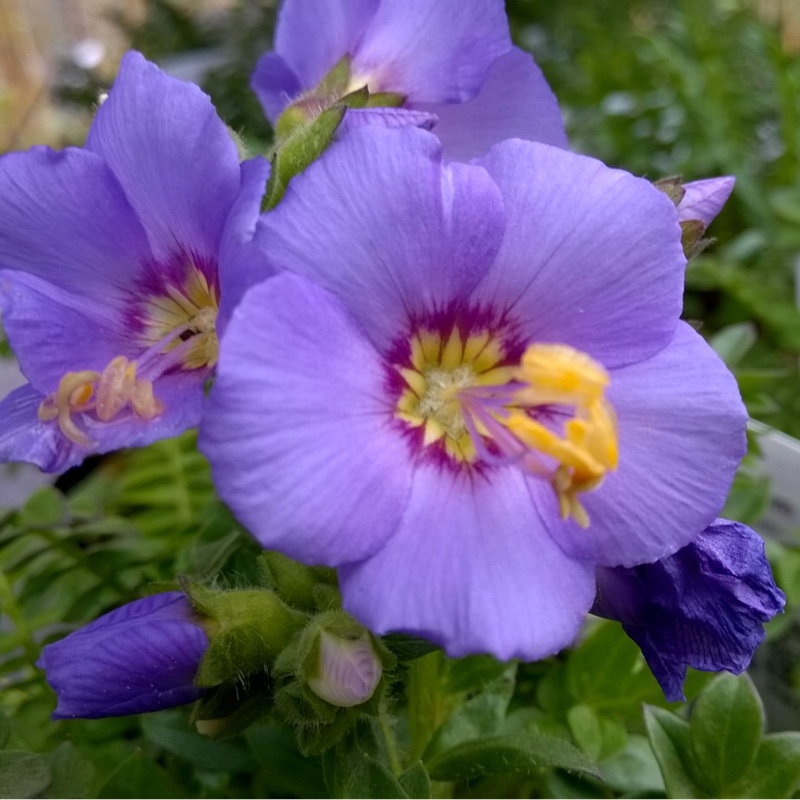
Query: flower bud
141,657
347,671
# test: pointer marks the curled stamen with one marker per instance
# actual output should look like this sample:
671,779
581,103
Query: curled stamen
107,393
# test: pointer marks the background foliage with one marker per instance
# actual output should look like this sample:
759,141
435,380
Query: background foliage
692,87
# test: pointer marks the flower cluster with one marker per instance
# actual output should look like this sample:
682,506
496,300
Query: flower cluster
450,363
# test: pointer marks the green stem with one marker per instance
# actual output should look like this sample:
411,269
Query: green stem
390,740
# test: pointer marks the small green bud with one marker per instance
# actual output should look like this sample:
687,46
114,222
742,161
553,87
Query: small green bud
347,671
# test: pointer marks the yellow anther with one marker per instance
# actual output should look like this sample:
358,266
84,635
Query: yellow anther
190,309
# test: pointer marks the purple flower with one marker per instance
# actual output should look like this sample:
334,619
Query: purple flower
473,389
111,264
703,607
141,657
452,59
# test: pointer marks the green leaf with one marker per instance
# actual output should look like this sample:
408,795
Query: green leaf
669,738
503,754
5,729
726,727
634,771
23,774
585,729
416,782
606,671
371,779
478,717
45,508
73,775
289,773
733,342
169,730
776,769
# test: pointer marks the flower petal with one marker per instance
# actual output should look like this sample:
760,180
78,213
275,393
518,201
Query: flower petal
240,263
432,52
385,227
467,130
681,438
275,84
473,568
299,429
703,607
63,217
592,256
313,35
54,331
172,155
141,657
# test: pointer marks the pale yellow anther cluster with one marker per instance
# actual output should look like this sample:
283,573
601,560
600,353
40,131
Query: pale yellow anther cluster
441,368
451,377
105,393
192,308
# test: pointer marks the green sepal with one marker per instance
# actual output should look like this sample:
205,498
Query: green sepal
295,583
304,145
247,630
358,98
335,83
386,100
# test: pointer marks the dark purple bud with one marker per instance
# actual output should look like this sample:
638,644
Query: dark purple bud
141,657
703,607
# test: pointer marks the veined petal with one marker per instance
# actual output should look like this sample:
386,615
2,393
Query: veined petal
591,258
141,657
241,264
473,568
54,331
299,429
172,155
396,235
681,437
24,437
64,218
313,35
704,607
275,84
467,130
432,52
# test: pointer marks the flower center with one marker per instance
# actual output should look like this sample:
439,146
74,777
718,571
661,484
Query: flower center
547,413
191,308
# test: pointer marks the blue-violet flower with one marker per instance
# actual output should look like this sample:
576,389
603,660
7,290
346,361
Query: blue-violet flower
111,263
471,388
702,607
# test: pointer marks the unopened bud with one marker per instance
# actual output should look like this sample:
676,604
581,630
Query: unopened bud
347,671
